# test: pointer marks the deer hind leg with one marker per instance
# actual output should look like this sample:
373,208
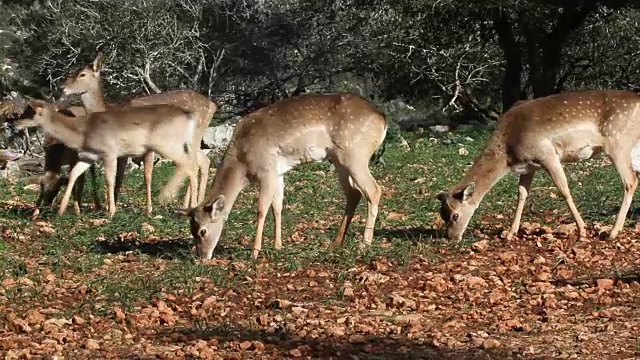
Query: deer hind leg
353,197
266,193
364,181
202,169
554,167
622,161
276,206
78,169
524,184
185,166
148,171
204,163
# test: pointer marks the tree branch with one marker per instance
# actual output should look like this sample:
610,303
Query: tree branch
146,77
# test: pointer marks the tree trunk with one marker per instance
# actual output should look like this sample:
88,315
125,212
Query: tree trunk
511,82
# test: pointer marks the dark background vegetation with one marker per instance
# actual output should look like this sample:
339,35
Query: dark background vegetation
434,60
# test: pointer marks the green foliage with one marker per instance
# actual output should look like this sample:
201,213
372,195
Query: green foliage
251,53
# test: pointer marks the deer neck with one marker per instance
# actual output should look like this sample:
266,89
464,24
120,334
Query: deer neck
229,180
488,168
93,100
66,129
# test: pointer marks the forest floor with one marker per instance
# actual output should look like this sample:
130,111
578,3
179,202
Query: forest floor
87,288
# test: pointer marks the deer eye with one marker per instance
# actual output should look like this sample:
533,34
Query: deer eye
82,75
455,217
202,232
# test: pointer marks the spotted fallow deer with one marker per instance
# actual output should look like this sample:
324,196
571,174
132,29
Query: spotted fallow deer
136,131
87,82
342,128
544,133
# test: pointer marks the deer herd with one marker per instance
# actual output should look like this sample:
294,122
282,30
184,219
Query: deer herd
343,128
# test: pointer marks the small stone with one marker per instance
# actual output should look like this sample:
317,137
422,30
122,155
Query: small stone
490,344
357,339
605,284
258,346
296,353
92,344
407,319
481,245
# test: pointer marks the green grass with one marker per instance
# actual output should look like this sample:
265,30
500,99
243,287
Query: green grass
313,207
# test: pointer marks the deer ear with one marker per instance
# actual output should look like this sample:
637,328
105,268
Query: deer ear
442,196
216,206
468,191
97,62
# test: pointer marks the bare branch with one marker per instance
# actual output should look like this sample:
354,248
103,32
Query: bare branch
146,77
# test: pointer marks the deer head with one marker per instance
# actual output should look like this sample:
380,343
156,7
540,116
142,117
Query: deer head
36,112
85,79
206,224
456,210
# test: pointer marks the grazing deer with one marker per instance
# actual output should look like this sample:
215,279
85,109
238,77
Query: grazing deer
87,83
164,129
342,128
544,133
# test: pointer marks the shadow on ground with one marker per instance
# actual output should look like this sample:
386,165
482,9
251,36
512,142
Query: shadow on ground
278,345
413,234
168,248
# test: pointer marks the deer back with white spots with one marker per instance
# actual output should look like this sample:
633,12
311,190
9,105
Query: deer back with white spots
342,128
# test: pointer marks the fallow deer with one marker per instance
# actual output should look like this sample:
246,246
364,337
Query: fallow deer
544,133
164,129
57,155
87,82
342,128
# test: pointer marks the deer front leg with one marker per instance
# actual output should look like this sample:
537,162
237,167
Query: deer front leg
79,168
554,167
110,170
148,171
276,206
622,162
265,197
524,184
